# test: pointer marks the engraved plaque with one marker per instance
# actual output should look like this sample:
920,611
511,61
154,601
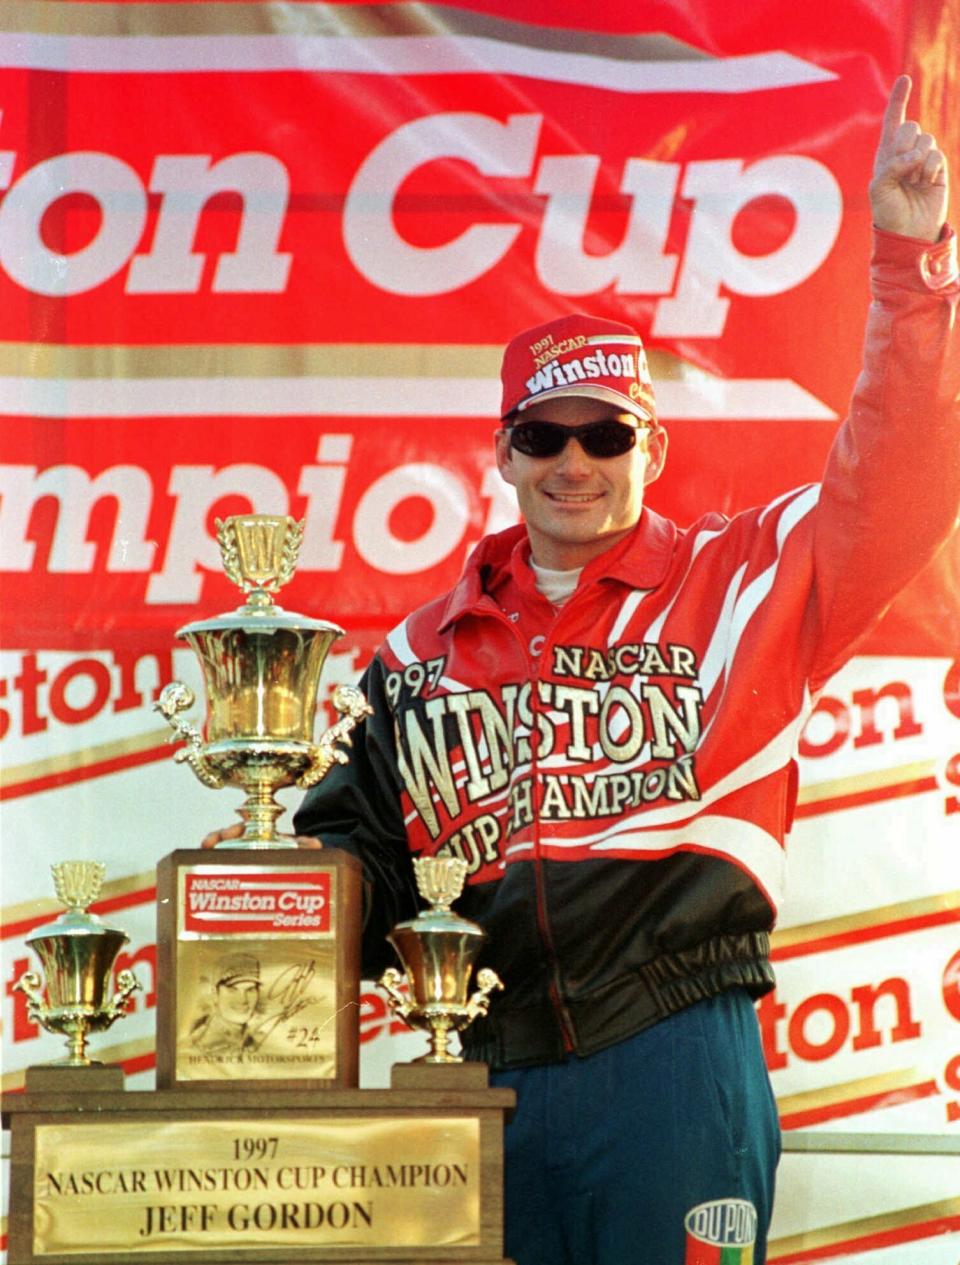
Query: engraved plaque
265,1011
357,1180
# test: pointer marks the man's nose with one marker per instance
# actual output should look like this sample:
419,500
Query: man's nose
573,459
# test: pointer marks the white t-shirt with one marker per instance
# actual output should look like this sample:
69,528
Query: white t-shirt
556,586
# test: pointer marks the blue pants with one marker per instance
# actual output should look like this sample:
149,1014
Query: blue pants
651,1152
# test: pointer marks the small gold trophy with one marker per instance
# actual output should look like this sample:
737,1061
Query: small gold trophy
261,670
438,949
77,952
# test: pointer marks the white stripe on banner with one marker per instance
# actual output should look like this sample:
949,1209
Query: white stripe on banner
746,399
400,55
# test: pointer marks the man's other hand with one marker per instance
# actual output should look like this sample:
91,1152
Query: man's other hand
908,193
236,830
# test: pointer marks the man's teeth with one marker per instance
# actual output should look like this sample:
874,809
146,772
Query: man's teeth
573,496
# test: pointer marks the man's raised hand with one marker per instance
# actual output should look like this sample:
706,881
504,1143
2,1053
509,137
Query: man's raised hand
908,192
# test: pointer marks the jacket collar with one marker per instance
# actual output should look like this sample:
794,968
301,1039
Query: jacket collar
641,560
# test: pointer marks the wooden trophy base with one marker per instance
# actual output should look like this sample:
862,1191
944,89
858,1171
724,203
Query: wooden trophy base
411,1175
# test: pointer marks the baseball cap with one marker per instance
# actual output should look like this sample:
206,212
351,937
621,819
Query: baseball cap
239,968
578,355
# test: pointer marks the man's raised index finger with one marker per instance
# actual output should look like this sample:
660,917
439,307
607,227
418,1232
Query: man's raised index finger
895,112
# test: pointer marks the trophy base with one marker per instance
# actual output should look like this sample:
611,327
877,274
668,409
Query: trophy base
407,1176
65,1078
439,1076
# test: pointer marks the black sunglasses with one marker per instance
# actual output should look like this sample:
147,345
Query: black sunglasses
608,438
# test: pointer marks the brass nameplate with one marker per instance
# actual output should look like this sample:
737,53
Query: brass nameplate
174,1186
256,973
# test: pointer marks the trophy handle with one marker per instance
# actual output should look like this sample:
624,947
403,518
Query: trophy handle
390,982
488,980
177,697
128,984
352,706
31,985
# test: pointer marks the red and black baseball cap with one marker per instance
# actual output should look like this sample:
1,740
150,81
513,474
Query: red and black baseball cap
578,355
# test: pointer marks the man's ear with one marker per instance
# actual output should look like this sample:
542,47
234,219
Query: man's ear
656,455
504,456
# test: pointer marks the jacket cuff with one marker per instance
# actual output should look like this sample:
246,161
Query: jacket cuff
914,263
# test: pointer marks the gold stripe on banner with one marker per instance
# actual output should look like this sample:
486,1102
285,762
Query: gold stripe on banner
905,911
848,1091
867,1228
358,21
258,360
111,890
17,774
858,782
11,1082
268,360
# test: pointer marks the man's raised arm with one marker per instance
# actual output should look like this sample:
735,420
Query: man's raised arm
891,488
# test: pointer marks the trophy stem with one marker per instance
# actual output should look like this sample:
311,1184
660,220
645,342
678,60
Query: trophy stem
440,1052
259,813
77,1039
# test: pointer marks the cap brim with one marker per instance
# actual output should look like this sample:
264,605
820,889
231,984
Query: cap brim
623,402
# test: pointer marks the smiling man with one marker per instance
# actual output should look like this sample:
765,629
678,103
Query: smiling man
600,718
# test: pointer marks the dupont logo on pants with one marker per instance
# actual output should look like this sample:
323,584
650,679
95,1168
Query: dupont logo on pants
721,1232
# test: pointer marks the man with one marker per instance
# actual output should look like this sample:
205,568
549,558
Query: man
600,718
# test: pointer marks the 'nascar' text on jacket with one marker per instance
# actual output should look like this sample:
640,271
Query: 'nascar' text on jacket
619,775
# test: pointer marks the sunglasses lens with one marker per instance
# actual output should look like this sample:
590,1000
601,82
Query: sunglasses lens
608,439
539,439
548,439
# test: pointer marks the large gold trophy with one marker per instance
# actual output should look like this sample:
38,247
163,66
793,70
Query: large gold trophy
261,669
259,941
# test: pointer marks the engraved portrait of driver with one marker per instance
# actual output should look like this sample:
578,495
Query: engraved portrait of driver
229,1026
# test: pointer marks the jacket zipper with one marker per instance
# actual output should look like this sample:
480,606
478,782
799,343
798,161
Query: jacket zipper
564,1020
543,922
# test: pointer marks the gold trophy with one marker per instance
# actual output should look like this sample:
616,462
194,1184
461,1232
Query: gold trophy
289,916
261,670
438,949
77,952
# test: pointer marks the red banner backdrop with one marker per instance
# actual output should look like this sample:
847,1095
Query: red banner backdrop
203,271
265,256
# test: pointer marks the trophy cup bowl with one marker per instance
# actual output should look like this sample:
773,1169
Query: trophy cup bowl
261,671
438,950
77,953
